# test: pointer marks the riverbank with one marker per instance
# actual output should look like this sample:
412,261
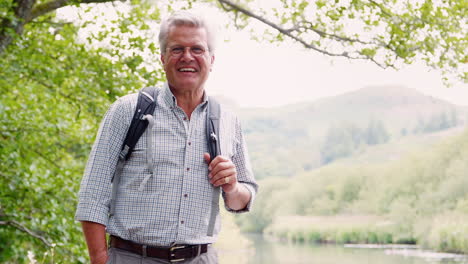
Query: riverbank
447,233
274,251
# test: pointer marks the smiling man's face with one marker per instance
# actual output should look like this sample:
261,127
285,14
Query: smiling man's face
187,71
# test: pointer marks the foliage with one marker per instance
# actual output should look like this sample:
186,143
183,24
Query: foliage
345,139
58,77
267,203
333,229
53,92
437,122
316,133
376,133
340,142
231,238
449,233
415,196
388,33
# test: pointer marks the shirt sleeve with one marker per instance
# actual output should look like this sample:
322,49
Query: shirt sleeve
244,170
96,187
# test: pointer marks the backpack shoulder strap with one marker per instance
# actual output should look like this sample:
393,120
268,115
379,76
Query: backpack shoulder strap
146,103
212,134
212,127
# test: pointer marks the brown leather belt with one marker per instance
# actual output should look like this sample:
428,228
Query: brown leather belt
173,254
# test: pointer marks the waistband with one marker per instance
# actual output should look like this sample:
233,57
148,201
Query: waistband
174,253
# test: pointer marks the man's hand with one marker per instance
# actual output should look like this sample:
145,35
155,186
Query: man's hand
99,258
222,173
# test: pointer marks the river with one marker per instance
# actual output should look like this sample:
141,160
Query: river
266,251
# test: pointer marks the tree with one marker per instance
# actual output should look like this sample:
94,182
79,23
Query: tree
387,33
340,141
437,122
17,13
55,86
53,91
376,133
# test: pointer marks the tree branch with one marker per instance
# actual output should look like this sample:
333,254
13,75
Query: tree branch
57,24
24,229
225,8
382,9
280,29
289,33
47,7
50,6
47,159
333,36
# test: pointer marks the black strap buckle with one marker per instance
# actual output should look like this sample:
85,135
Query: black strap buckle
172,251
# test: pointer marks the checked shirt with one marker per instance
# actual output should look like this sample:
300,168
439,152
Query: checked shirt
174,205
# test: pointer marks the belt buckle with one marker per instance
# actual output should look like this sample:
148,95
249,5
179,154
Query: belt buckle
172,254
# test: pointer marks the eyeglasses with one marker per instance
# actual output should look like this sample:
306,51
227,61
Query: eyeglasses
178,51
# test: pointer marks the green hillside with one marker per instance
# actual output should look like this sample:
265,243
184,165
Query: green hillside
420,198
398,147
288,140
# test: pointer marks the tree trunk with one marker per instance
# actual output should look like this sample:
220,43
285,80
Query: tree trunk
12,27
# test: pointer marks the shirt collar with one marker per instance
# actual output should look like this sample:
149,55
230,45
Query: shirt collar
171,100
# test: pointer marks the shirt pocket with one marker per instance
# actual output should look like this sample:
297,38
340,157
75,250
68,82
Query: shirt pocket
228,145
137,165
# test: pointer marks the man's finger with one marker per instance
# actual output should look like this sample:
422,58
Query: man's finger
207,157
215,161
218,178
221,158
217,167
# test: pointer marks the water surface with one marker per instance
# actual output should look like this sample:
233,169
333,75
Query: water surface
280,252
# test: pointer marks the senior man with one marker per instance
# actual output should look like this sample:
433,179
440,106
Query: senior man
164,212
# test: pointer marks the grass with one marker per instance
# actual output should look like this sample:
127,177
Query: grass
338,229
333,229
449,233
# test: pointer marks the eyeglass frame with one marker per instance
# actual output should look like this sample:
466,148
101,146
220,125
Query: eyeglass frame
183,49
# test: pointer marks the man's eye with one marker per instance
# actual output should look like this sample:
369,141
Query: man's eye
177,50
197,50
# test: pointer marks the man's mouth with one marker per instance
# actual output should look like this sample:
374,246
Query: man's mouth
187,70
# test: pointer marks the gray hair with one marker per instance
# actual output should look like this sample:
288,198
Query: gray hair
185,18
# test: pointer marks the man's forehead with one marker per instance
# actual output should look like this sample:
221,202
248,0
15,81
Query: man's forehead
187,33
186,27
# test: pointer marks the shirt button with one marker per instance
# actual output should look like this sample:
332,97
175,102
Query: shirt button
185,195
190,143
182,222
185,118
188,169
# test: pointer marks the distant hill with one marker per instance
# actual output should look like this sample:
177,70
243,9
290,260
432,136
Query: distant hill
289,139
399,147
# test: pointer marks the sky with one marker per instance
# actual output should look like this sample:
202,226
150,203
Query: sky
262,74
256,74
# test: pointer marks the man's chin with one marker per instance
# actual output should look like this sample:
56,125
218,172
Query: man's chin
187,86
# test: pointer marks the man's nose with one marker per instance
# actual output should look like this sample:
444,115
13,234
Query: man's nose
187,54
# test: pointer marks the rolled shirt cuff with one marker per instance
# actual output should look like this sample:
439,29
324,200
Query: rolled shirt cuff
247,208
92,212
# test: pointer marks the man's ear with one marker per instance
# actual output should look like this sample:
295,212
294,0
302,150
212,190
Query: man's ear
162,58
212,62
